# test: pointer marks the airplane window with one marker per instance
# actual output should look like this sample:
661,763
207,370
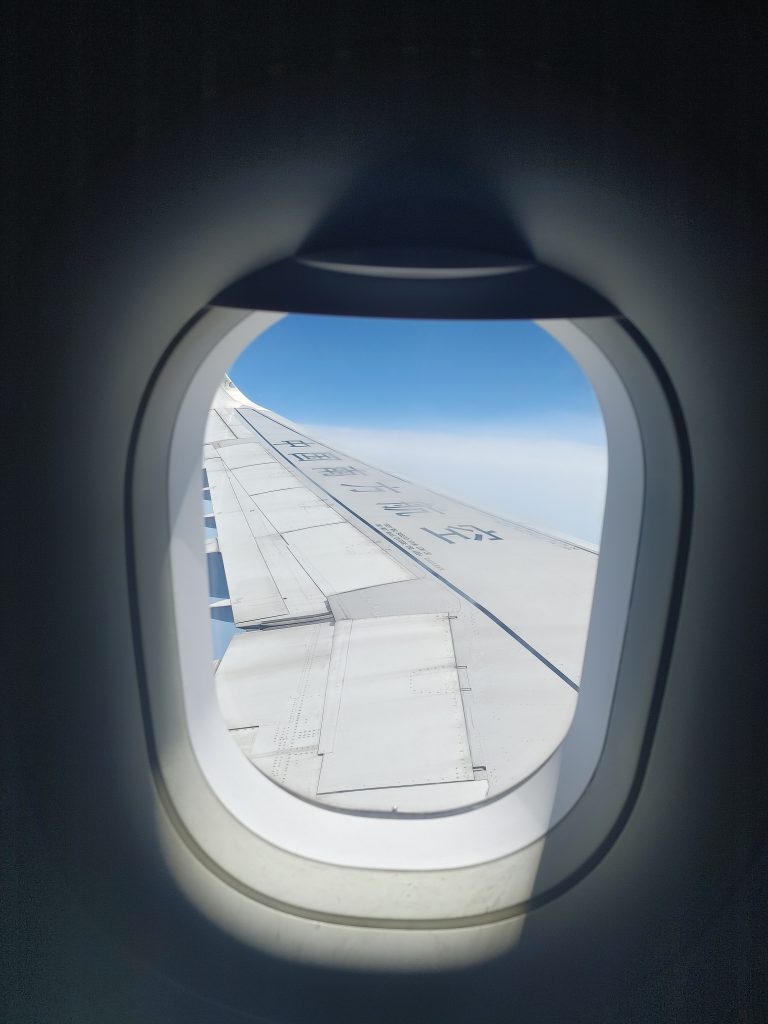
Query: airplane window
402,527
377,635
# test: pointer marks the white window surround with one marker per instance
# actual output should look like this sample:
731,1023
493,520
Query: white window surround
280,850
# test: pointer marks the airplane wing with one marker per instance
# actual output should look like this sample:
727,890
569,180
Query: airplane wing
384,647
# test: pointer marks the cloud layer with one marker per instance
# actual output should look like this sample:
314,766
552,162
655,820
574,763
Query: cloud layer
549,480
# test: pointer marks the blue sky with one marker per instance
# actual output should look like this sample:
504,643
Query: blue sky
501,414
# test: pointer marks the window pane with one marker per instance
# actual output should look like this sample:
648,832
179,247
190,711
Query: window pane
402,571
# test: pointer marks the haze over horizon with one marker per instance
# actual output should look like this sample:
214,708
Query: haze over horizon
494,413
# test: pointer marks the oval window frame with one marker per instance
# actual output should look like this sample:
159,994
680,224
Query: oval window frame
587,786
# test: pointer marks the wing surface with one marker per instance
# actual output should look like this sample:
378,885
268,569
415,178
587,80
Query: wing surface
381,646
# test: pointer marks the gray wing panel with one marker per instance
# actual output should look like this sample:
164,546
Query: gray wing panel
446,664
